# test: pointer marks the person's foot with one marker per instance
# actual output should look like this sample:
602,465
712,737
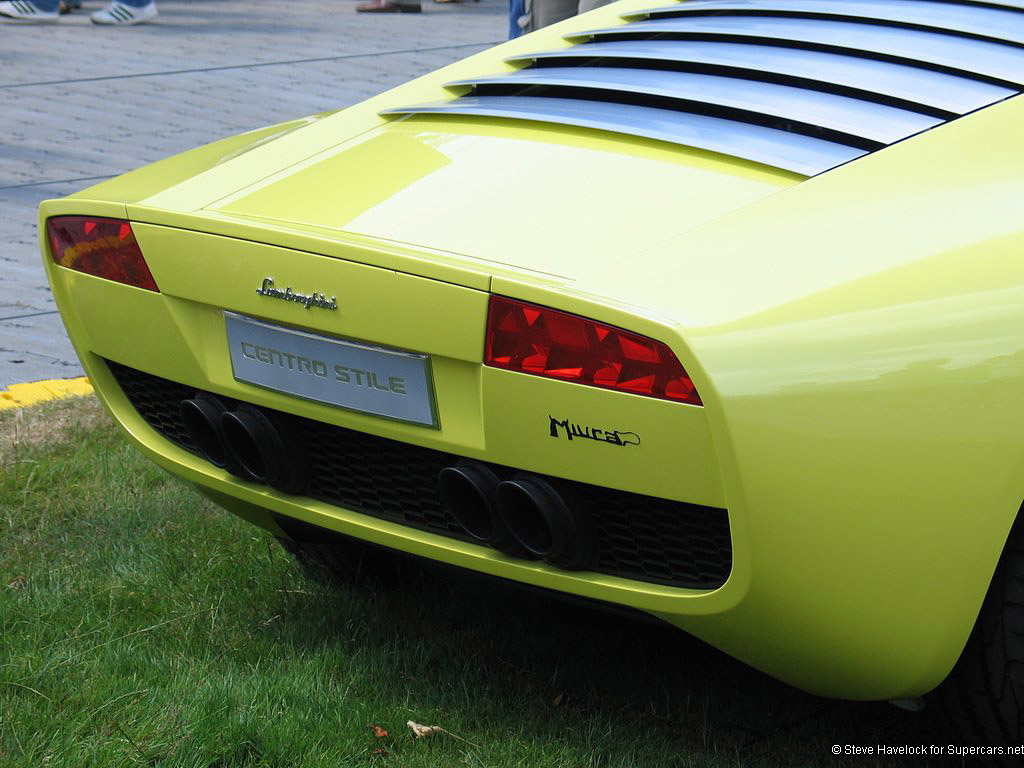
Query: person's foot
388,6
24,10
121,14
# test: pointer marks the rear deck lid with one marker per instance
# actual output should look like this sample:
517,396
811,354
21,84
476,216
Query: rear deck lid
539,198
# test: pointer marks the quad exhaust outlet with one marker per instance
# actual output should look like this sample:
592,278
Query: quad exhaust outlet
247,441
202,417
545,524
468,491
525,516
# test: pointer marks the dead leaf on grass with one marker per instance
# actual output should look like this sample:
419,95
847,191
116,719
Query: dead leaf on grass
380,752
379,732
423,731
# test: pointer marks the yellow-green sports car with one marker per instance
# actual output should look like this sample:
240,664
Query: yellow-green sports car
713,310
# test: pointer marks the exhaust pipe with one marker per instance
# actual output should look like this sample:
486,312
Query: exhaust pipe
467,490
265,448
544,524
202,418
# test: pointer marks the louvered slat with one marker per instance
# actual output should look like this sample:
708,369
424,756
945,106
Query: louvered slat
914,85
971,57
1005,25
780,149
861,120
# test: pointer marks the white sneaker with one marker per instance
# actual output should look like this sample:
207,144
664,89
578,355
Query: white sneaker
118,13
24,10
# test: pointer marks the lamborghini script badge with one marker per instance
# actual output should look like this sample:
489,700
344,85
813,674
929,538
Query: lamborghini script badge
571,430
307,300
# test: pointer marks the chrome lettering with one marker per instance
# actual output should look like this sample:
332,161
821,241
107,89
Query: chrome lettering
315,299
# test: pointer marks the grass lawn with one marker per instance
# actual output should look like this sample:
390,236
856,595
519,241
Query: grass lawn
140,625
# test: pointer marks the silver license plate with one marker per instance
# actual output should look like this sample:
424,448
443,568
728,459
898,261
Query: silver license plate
384,382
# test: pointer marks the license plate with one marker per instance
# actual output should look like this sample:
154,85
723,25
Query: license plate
368,379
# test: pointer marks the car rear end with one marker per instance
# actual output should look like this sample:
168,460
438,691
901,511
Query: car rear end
722,385
641,469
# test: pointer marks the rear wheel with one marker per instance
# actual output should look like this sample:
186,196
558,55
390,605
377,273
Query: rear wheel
983,698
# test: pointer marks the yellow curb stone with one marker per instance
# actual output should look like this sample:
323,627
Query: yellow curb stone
30,393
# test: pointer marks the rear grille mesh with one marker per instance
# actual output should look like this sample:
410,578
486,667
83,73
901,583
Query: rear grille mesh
800,85
640,537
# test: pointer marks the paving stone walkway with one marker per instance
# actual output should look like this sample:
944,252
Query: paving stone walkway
80,103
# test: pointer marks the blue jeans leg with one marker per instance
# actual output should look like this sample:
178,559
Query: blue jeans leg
516,8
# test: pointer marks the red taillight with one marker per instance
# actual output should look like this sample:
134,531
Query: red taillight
101,247
545,342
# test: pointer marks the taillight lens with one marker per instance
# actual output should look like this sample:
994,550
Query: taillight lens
546,342
101,247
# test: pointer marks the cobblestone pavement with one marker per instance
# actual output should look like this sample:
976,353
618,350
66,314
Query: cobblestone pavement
80,103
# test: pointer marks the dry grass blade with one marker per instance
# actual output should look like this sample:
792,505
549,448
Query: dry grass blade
47,423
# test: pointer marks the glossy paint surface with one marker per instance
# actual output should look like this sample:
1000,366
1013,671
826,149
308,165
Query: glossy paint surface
442,192
857,340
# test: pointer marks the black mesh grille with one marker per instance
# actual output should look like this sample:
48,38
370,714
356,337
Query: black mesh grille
640,537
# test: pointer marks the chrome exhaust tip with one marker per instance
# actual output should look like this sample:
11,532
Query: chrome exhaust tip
548,528
468,490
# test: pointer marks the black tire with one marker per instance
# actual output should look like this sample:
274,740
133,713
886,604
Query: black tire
982,700
332,559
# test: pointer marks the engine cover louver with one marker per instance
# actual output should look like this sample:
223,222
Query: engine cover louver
800,85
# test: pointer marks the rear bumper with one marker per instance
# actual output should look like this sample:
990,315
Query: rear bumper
813,615
158,442
639,537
